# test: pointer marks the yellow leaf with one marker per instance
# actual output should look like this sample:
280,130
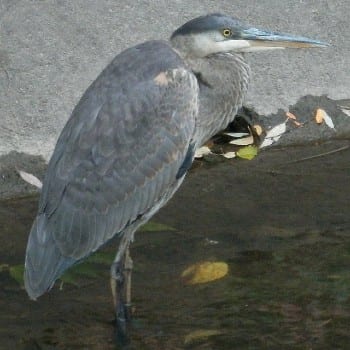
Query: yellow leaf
205,272
200,334
258,129
248,152
319,116
322,116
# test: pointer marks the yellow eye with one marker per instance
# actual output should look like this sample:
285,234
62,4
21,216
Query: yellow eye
226,32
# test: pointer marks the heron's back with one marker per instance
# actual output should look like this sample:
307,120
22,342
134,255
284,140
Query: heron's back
118,158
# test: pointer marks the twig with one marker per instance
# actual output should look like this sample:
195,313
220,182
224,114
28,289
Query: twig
317,155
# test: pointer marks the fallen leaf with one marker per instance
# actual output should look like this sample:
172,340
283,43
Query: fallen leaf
30,178
4,267
258,129
243,141
205,272
105,258
236,134
69,278
80,272
248,152
155,227
267,142
202,151
319,116
211,241
322,116
277,130
346,111
298,124
201,334
229,155
291,116
16,272
328,120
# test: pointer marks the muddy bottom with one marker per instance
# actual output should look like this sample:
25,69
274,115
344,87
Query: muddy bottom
282,225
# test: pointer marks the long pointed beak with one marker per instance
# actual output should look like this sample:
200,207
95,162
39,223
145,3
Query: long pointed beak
261,39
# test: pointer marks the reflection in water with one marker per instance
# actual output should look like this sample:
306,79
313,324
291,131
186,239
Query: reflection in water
288,282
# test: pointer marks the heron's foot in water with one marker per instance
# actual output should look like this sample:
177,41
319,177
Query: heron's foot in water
121,291
123,323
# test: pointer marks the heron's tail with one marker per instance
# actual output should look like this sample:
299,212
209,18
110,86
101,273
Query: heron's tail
44,262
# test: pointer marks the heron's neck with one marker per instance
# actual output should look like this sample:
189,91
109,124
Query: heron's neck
223,81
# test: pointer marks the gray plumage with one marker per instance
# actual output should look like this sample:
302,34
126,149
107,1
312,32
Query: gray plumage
130,140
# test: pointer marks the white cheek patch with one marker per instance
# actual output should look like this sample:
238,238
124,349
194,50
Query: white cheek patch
232,45
206,45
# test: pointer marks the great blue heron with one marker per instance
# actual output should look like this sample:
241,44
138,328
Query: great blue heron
131,139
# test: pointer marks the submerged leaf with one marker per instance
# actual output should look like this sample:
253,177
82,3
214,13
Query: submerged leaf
77,272
101,258
201,334
204,272
4,267
155,227
248,152
86,270
69,278
16,272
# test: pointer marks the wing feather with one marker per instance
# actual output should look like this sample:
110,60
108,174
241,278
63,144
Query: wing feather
115,160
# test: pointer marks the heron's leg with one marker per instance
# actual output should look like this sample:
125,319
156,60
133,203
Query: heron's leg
128,265
121,270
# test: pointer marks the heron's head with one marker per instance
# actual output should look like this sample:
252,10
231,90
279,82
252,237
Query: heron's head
218,33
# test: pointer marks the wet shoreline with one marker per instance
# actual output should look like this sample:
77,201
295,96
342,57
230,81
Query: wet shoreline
281,224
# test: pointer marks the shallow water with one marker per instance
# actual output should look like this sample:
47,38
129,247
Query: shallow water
283,228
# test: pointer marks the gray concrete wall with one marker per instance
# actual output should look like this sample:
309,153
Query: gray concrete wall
51,50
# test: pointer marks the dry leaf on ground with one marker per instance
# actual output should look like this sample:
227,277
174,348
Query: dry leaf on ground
202,151
229,155
322,116
277,130
244,141
258,129
30,178
290,115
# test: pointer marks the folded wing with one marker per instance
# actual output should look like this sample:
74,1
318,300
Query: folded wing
124,146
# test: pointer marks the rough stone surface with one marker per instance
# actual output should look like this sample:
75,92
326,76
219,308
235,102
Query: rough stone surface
50,51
